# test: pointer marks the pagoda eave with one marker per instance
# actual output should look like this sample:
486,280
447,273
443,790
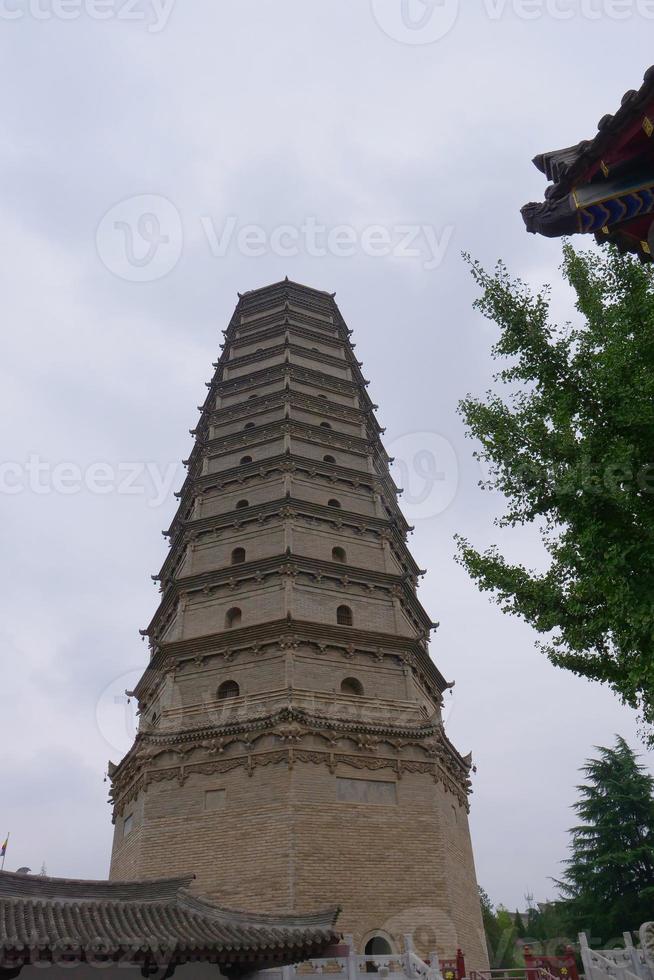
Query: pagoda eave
552,219
289,724
260,512
604,186
255,637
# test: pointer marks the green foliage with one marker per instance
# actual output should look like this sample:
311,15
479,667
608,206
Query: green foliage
548,928
501,935
570,443
608,885
519,926
609,879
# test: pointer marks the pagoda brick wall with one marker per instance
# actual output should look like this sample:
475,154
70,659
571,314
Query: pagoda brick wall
286,843
321,772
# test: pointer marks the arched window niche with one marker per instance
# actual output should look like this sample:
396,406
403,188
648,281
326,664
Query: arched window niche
344,616
377,945
352,686
233,618
228,689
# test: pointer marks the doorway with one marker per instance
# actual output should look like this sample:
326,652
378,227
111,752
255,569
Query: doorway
377,946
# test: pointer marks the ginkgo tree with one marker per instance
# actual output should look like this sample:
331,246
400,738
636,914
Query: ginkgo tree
567,436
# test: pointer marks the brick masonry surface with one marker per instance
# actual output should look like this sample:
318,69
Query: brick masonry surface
290,750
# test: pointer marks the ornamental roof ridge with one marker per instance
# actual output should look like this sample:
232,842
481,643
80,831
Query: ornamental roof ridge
263,723
289,920
286,283
75,889
603,186
292,754
564,167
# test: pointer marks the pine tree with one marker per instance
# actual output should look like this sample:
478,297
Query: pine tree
609,880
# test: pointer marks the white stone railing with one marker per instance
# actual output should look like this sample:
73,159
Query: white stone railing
354,966
630,963
646,936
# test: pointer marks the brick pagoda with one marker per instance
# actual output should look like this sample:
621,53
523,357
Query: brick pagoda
291,752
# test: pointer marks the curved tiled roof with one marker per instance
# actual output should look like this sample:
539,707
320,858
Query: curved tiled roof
565,167
145,920
617,210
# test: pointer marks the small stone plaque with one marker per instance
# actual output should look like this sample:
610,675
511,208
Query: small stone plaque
366,791
215,799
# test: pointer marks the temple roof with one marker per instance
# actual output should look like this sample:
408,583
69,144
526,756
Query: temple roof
145,921
603,185
566,167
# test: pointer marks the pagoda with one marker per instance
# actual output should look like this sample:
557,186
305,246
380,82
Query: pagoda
604,186
290,751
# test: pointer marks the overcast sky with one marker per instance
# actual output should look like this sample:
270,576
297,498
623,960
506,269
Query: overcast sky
296,118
